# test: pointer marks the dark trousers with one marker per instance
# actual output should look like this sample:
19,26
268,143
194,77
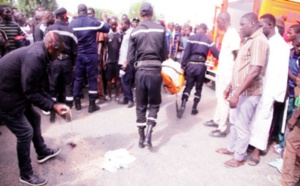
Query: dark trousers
86,64
126,84
195,75
148,92
26,127
61,74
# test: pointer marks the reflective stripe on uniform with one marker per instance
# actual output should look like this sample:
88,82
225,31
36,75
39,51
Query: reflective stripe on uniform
151,118
147,31
65,33
201,43
70,98
141,124
89,27
93,92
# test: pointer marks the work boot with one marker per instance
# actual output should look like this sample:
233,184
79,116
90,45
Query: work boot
194,109
52,116
147,141
92,106
77,103
142,136
182,108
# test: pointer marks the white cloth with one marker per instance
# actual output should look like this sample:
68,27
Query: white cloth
173,70
274,89
231,42
124,47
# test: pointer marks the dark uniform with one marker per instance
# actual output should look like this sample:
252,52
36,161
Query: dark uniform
21,73
61,70
86,28
193,63
147,49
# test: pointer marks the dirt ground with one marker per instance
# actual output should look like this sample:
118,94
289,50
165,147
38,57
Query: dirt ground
183,153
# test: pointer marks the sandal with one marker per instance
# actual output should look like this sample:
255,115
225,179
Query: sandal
253,161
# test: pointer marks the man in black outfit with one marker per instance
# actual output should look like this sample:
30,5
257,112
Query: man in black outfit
21,87
61,70
193,63
147,49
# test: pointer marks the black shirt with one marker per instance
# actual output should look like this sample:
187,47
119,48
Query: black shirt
114,40
147,42
21,73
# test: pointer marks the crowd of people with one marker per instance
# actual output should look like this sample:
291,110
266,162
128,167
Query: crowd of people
47,60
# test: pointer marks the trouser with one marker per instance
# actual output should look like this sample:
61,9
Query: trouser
126,84
291,165
148,92
61,73
222,109
240,120
195,74
26,127
86,64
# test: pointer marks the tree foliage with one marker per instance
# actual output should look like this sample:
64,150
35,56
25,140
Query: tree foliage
28,6
99,12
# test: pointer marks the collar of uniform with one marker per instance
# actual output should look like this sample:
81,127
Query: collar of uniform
61,23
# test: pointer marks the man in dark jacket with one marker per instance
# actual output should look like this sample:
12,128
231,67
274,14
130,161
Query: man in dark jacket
147,49
61,70
21,87
86,28
193,63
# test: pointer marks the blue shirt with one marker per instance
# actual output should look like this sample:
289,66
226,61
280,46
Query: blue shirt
85,29
294,69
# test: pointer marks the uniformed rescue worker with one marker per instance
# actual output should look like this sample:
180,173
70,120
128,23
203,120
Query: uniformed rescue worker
193,63
61,70
86,28
147,49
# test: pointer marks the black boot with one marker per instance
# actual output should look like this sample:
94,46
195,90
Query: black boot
147,141
194,109
92,106
182,108
142,136
52,116
77,103
70,104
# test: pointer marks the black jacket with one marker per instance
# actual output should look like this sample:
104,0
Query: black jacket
22,72
147,42
197,48
67,36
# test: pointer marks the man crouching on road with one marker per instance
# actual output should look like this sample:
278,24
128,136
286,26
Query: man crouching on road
21,87
147,48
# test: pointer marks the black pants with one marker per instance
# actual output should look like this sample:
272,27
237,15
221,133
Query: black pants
148,92
26,127
61,74
195,75
126,84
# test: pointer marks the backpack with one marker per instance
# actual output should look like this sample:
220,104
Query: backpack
172,75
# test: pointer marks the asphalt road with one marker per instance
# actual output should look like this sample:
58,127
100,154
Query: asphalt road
183,153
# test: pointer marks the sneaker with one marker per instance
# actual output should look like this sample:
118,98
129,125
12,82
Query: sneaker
47,113
50,153
211,123
130,104
33,180
218,134
123,102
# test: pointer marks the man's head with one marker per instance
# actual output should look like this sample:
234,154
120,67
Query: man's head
5,13
82,9
146,11
20,18
280,24
61,14
49,17
54,44
296,44
268,22
135,22
113,23
248,24
171,26
91,12
125,24
223,20
292,31
201,28
187,30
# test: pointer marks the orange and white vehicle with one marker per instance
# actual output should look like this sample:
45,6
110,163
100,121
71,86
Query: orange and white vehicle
290,9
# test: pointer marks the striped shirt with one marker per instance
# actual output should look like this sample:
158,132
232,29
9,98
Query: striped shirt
254,51
12,30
